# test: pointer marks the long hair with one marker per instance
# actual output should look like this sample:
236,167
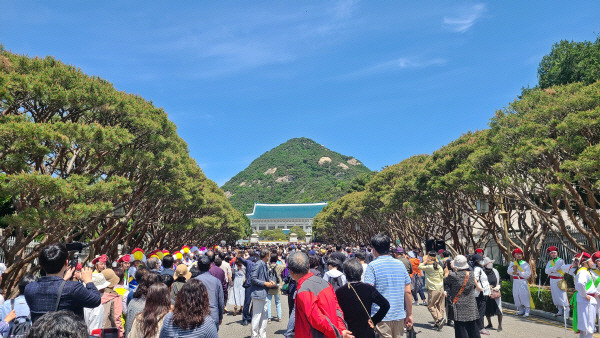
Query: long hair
158,304
191,305
148,280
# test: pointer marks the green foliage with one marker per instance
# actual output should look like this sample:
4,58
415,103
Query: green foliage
273,235
570,62
542,302
300,233
291,173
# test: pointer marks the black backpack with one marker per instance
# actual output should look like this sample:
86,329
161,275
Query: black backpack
336,282
274,276
21,325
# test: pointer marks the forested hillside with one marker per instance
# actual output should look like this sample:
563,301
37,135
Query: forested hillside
297,171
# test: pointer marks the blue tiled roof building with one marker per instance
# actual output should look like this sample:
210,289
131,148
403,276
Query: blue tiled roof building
284,216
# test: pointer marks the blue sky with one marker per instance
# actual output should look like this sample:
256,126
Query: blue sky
378,80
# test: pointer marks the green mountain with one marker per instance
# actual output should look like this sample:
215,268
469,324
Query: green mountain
297,171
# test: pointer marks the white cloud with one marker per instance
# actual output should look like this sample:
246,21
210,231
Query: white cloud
465,20
397,65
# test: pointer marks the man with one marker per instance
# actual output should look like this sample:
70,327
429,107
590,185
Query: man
361,256
167,262
43,296
520,271
585,317
153,263
249,264
100,263
334,276
217,271
215,291
260,283
390,278
339,254
316,311
554,272
479,251
400,255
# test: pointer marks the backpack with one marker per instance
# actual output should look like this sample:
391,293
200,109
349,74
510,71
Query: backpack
19,328
274,276
336,282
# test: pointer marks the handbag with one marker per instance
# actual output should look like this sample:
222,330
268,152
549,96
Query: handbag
370,321
495,294
462,288
410,332
562,284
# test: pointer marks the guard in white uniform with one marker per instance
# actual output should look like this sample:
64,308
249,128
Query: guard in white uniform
557,283
585,317
595,272
520,271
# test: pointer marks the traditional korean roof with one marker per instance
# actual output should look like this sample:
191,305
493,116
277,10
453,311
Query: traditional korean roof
282,211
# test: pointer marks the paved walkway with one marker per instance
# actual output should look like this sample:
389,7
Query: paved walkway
513,326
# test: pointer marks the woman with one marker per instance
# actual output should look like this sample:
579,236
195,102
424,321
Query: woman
356,298
482,290
461,287
434,284
191,314
137,304
493,306
149,322
416,279
315,262
122,290
237,291
275,270
112,303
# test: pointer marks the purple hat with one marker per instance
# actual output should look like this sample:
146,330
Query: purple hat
399,250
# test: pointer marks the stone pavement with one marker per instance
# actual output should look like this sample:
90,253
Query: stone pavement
513,326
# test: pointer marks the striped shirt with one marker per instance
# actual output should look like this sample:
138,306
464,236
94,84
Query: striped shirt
208,329
389,276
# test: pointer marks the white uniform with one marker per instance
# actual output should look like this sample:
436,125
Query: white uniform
586,309
595,275
520,287
559,297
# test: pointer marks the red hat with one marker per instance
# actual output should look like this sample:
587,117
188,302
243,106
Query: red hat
479,251
102,259
551,248
584,256
516,251
125,258
441,251
596,256
79,266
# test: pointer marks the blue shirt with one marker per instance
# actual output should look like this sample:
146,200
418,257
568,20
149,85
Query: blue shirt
389,276
41,296
21,310
208,329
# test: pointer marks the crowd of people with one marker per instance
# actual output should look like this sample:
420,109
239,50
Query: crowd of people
332,291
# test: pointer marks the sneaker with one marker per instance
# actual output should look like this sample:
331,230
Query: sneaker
276,319
269,320
424,303
522,312
485,332
526,315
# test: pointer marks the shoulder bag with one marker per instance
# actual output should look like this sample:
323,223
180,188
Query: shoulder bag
364,307
462,288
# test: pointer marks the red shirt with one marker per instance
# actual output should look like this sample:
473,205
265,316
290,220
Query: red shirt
317,309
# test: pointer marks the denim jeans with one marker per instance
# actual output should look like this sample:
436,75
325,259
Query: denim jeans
277,305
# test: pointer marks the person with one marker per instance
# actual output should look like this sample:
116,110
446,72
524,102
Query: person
226,269
94,317
191,313
333,275
213,287
400,255
585,316
461,287
99,263
595,272
216,271
58,324
18,305
356,299
236,298
260,284
181,276
339,254
125,263
56,291
275,270
482,290
136,305
167,280
249,264
416,280
361,256
167,263
520,271
112,302
389,276
315,264
434,284
153,264
122,290
554,272
149,322
2,271
316,309
494,305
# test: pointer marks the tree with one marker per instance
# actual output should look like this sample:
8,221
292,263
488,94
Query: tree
570,62
299,232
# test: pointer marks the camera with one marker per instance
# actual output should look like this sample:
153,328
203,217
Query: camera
77,247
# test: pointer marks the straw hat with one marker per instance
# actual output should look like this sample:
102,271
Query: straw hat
111,277
182,270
